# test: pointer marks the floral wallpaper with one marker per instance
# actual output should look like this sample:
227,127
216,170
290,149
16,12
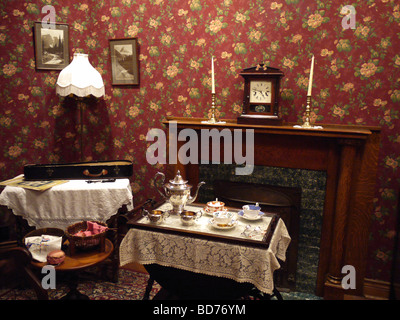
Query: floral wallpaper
356,80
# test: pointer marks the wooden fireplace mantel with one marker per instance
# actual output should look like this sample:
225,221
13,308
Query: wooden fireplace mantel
348,154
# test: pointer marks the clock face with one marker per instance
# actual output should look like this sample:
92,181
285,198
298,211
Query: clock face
260,91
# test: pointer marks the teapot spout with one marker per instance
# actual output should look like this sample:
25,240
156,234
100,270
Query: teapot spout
191,199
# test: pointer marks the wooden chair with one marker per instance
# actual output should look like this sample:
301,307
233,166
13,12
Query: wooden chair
124,216
116,232
15,265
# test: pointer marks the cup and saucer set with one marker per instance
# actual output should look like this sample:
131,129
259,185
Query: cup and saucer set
251,212
223,219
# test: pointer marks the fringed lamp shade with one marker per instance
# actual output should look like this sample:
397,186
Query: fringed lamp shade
80,78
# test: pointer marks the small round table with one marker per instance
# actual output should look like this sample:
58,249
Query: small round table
79,261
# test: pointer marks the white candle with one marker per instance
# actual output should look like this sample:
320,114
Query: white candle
311,77
212,76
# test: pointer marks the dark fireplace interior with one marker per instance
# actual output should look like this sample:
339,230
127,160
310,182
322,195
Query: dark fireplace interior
296,195
284,201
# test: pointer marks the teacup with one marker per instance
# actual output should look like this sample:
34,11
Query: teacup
156,216
189,217
251,211
214,206
223,218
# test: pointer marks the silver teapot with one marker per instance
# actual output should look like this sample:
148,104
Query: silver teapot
177,192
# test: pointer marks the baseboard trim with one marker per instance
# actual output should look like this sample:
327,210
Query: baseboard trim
379,290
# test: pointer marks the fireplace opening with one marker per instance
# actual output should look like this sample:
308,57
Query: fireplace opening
296,195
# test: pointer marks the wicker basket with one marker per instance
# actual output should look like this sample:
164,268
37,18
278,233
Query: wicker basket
89,242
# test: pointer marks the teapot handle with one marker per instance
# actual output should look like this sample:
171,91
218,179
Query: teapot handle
162,183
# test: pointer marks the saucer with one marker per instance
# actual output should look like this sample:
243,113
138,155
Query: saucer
223,227
241,213
207,212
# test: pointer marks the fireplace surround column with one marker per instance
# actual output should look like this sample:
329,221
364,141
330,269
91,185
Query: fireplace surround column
347,160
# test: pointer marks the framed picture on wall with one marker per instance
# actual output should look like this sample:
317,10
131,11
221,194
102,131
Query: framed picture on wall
51,45
124,61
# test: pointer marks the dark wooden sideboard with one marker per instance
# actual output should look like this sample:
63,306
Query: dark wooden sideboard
348,154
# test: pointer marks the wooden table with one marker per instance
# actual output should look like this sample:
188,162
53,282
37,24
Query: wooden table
68,203
79,261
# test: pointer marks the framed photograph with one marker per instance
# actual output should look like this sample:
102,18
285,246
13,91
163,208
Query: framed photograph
124,61
51,46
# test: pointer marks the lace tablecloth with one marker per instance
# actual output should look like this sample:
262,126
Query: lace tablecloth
234,261
68,203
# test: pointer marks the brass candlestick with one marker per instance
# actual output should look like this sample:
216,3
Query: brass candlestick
307,123
213,118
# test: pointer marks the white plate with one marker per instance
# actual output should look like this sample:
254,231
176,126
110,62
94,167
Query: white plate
229,226
241,214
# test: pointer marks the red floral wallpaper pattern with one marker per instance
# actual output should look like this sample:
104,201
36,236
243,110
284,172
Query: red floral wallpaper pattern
356,79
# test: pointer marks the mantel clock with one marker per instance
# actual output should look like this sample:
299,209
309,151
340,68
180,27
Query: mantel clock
261,96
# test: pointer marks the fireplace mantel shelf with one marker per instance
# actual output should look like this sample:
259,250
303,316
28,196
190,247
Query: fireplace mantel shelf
348,154
328,130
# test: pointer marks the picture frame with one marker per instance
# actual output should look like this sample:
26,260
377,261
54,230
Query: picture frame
51,43
124,55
